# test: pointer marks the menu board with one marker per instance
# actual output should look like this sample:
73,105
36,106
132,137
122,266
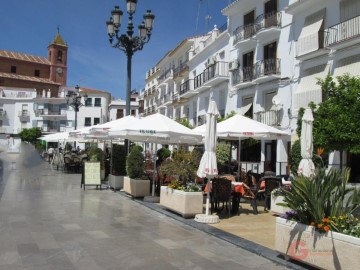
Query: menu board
92,174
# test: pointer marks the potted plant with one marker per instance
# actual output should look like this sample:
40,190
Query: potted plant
277,197
135,183
118,166
97,155
321,230
182,195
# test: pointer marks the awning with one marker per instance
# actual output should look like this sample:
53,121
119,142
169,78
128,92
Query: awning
244,109
309,37
308,89
348,65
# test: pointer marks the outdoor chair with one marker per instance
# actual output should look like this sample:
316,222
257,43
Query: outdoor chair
271,183
221,194
69,165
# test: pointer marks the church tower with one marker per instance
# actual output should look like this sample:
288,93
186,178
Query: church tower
57,55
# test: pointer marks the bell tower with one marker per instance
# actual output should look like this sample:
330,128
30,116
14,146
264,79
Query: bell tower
57,55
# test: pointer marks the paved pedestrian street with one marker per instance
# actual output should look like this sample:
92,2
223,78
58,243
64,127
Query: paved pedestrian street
48,222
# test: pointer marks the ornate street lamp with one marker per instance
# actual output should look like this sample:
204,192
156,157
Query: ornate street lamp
127,42
74,100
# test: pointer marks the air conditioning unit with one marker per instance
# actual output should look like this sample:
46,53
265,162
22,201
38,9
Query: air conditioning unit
211,60
233,65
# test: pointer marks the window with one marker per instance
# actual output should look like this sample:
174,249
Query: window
37,73
97,102
119,113
88,102
249,20
248,62
87,121
59,56
13,69
96,121
133,112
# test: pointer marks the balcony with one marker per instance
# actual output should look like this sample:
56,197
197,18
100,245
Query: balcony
244,32
181,70
264,26
52,129
164,77
243,77
51,113
270,118
212,75
24,115
344,34
267,70
167,98
268,24
187,89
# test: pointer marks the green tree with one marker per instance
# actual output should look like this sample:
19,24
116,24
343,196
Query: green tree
185,122
30,134
337,119
228,115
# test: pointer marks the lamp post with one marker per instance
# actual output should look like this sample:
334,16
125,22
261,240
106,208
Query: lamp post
74,100
127,42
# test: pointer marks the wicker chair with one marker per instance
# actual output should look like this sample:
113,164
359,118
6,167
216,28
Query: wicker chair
221,193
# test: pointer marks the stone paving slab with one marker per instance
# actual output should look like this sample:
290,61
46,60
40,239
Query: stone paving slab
48,222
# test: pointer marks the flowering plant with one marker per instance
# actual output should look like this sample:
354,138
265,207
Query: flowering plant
188,187
325,195
281,190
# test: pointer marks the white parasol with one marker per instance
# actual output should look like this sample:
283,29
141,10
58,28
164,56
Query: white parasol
306,166
208,164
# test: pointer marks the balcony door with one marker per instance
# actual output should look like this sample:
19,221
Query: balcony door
248,63
270,13
249,28
270,58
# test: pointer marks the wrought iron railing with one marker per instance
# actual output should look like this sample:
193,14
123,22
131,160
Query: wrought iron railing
271,19
267,67
344,31
244,32
168,73
186,87
270,118
243,74
179,69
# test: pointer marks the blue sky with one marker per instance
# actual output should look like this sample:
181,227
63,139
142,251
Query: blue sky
29,26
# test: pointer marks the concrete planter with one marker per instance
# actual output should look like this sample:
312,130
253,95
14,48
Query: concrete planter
325,251
187,204
116,181
277,209
136,188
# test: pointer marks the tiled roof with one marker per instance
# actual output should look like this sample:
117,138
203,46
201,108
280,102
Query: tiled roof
230,5
27,78
92,91
59,40
24,57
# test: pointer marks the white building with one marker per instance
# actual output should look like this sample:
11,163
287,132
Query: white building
325,34
22,108
117,108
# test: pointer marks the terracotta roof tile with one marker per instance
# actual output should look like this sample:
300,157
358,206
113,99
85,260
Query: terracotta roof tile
24,57
26,78
93,91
